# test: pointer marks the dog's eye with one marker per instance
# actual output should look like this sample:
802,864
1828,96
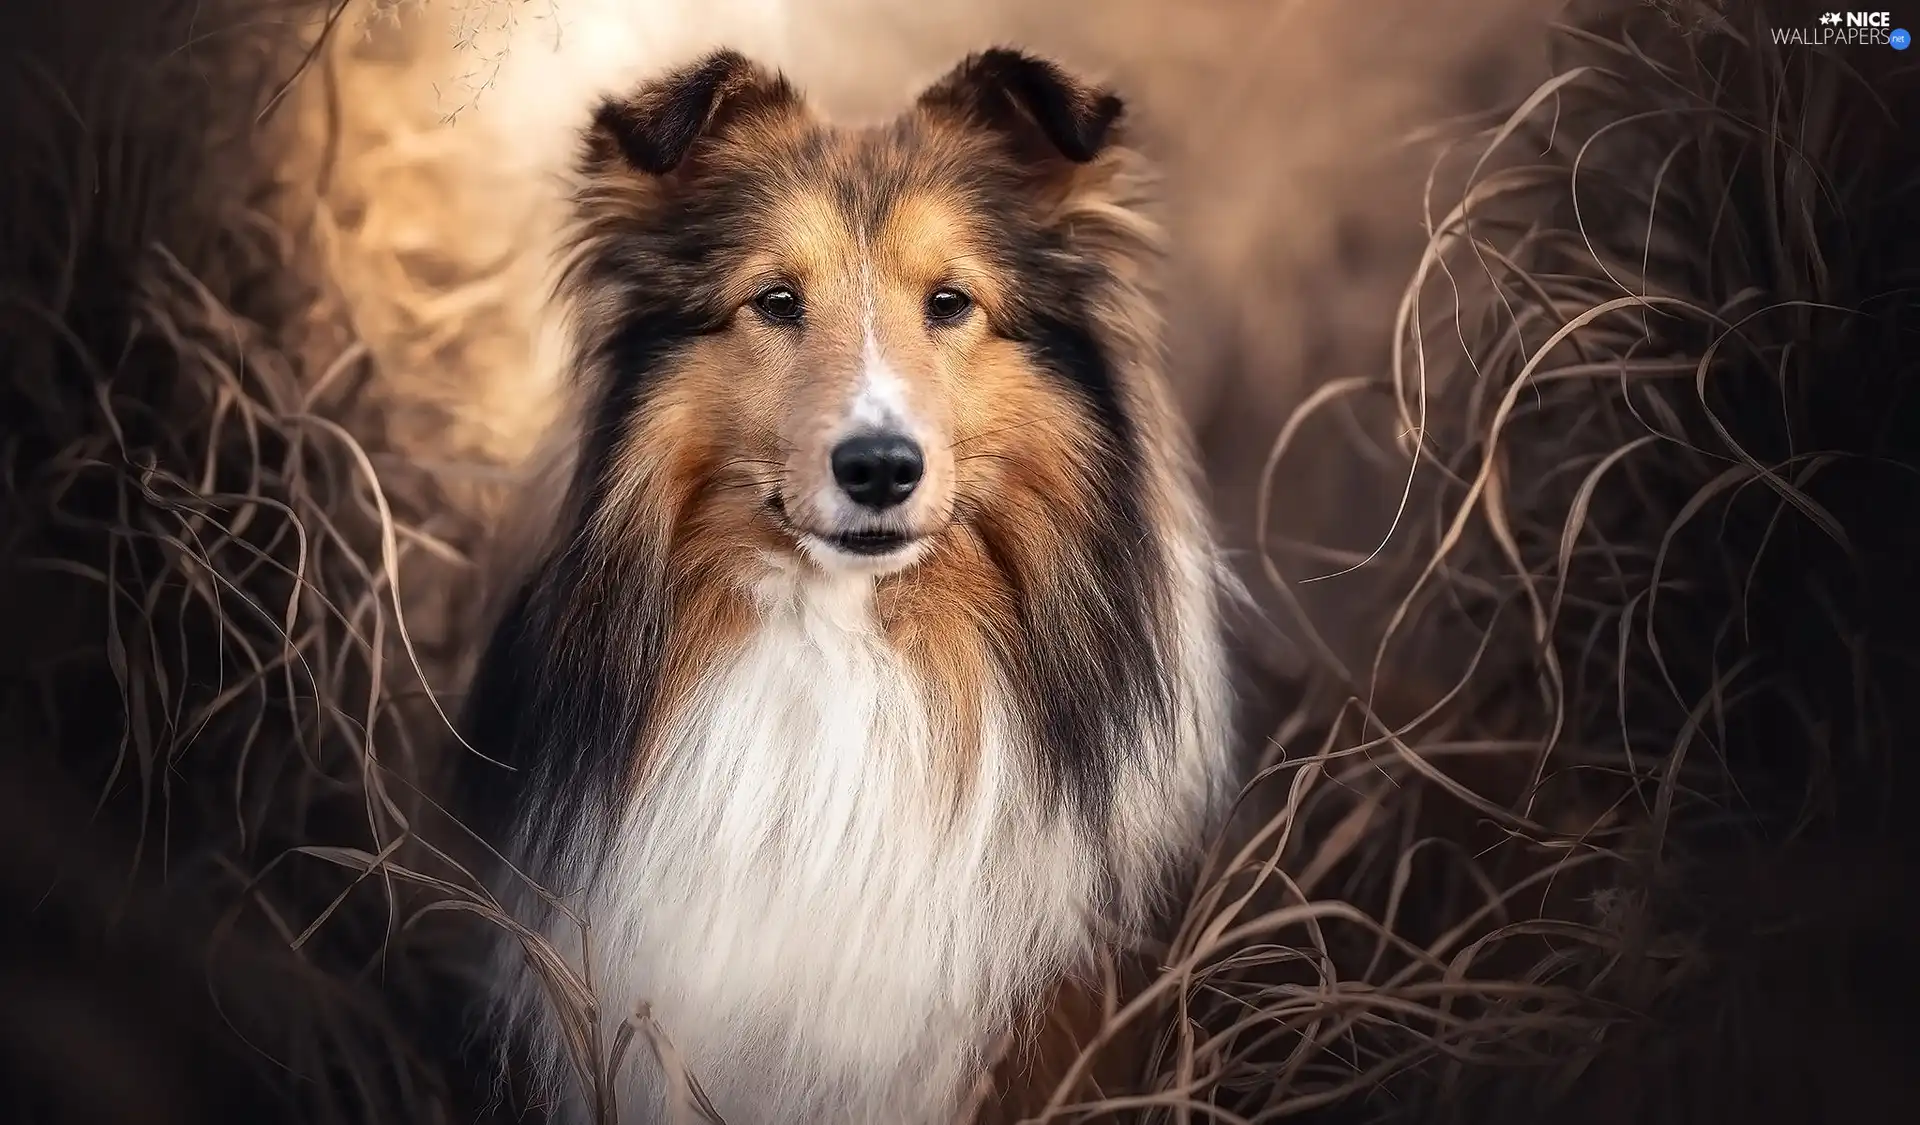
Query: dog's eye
779,303
947,304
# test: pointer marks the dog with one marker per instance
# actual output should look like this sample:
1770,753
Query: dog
872,676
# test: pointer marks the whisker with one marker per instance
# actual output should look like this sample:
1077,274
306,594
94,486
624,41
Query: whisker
1054,417
735,486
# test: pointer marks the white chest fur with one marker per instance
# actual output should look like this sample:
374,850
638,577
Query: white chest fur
820,932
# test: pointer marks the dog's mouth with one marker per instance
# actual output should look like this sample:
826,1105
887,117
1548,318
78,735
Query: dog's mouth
869,542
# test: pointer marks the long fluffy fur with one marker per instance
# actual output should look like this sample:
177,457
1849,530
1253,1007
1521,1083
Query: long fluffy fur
839,831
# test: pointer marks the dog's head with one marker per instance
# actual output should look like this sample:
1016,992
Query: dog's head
845,344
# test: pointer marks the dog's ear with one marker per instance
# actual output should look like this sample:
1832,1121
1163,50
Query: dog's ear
1045,115
656,128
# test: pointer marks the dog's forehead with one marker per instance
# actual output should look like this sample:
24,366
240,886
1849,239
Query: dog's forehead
877,180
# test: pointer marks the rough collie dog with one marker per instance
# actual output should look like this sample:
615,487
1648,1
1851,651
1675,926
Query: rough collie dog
872,677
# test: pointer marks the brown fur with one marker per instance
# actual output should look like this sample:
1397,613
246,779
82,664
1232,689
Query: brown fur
1069,1025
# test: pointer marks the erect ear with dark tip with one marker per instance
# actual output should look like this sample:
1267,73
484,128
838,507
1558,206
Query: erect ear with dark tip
1040,108
656,127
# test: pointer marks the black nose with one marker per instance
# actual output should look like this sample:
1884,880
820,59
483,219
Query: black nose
878,470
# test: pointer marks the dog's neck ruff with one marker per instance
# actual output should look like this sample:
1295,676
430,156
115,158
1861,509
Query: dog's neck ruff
825,925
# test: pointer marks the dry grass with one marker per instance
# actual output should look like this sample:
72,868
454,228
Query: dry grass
1635,697
210,668
1639,628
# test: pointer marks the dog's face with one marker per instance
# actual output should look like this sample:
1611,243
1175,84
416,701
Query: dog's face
854,390
847,344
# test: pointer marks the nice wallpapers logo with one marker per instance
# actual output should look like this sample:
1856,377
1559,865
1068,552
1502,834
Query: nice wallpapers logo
1846,29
